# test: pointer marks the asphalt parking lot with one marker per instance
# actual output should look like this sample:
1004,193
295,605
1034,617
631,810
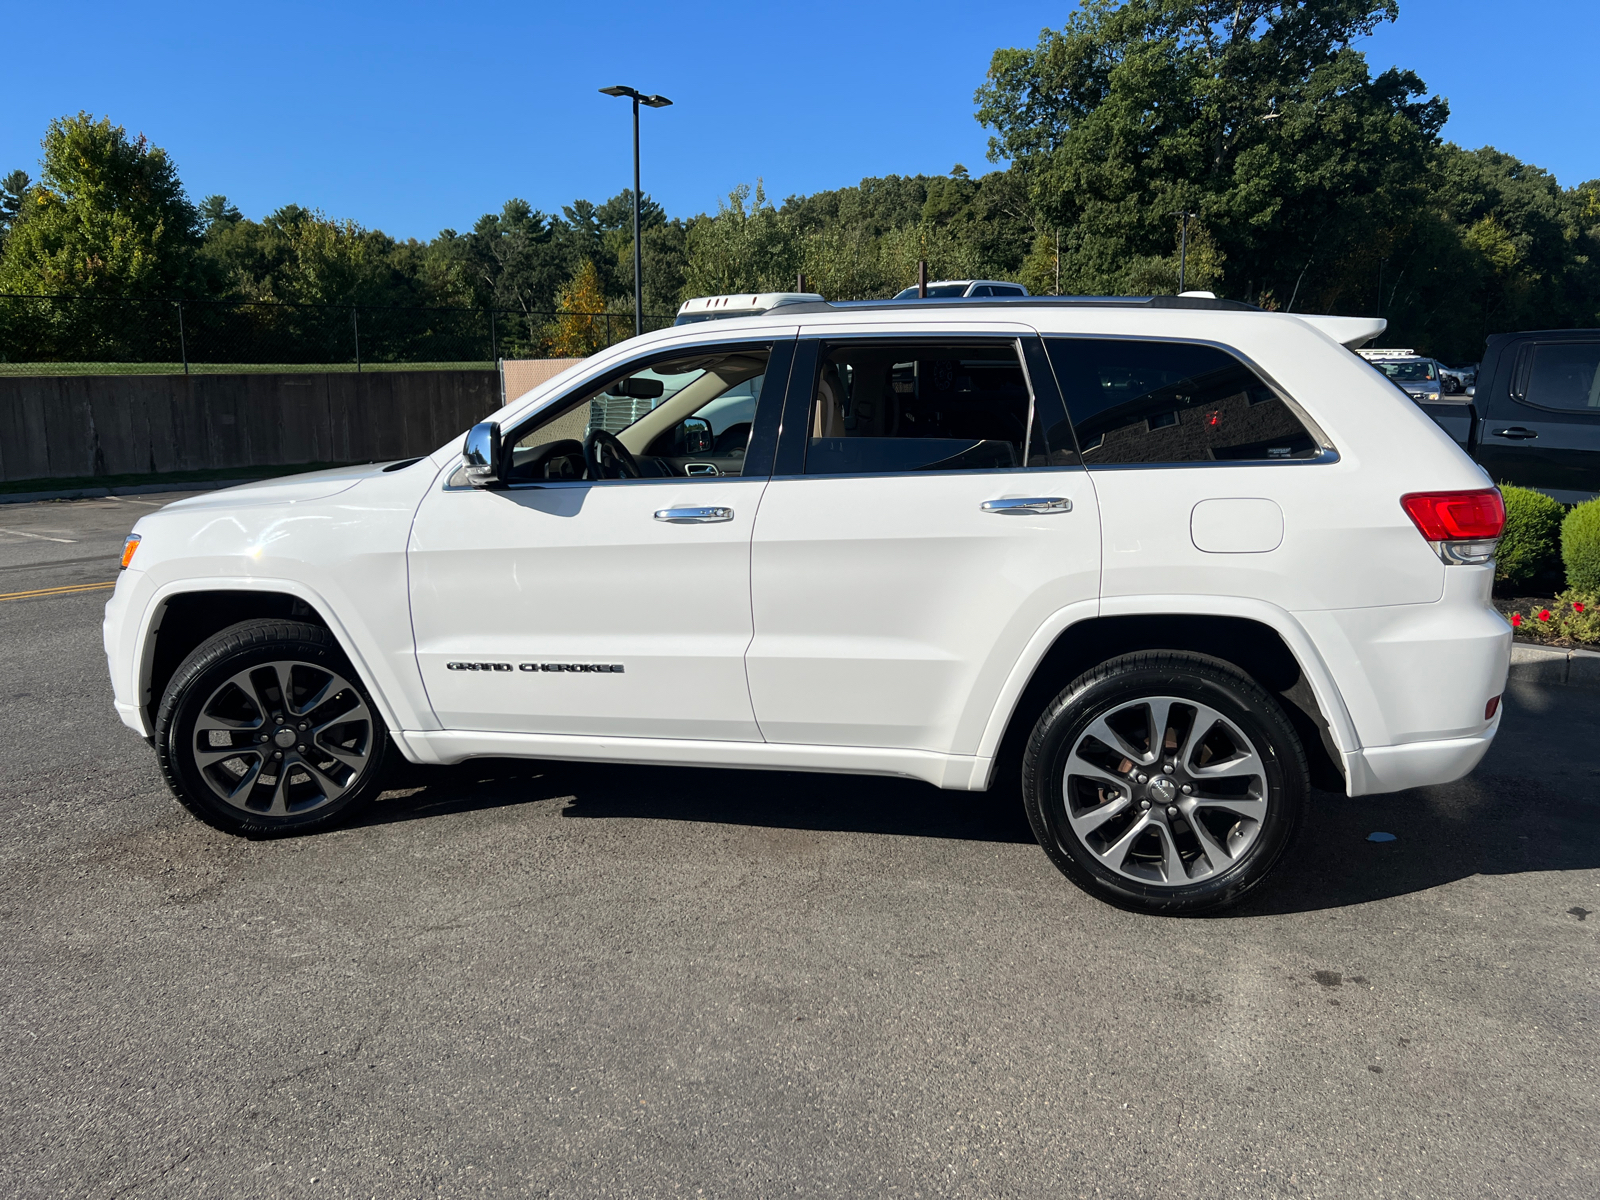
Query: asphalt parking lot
530,979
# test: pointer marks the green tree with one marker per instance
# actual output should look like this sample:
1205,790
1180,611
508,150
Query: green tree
215,211
1258,115
747,247
13,190
108,218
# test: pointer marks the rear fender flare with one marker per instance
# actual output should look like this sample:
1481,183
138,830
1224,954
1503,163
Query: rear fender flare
1329,700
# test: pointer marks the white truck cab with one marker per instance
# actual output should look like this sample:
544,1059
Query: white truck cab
1162,564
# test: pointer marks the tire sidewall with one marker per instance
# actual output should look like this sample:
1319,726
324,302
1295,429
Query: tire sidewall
1113,686
193,684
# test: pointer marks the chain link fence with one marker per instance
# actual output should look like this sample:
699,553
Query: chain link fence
65,335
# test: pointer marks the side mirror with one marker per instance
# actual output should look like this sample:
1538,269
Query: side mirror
696,435
481,452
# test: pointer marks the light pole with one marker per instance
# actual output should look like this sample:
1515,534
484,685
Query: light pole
1183,246
638,258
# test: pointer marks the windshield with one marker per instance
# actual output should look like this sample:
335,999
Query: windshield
940,291
1418,371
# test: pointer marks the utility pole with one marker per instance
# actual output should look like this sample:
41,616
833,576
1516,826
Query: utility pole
1183,248
638,254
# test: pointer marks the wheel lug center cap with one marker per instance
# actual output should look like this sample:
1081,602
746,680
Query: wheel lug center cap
1163,790
284,738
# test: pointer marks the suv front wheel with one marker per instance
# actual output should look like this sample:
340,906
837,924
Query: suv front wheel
1165,782
266,730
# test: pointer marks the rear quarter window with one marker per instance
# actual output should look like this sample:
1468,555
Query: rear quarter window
1138,402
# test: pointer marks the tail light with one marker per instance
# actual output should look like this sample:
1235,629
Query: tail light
1462,527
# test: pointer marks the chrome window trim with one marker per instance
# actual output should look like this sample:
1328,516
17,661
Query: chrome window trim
1329,456
1324,458
1330,452
450,484
1321,458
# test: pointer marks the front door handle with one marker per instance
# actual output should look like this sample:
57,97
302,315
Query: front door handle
1028,504
1517,433
694,516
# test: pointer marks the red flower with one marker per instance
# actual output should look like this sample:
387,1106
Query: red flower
1516,620
1544,614
1577,607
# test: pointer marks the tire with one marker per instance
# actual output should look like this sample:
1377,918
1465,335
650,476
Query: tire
294,767
1189,826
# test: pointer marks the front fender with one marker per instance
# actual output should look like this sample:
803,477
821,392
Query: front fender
390,674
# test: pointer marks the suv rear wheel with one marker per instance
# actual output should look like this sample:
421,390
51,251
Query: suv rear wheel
266,730
1165,782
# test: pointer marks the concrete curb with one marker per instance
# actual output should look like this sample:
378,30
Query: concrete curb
144,489
1534,663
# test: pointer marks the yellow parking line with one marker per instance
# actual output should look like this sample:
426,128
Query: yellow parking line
59,591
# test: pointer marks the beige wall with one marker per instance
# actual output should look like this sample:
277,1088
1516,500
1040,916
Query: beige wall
521,375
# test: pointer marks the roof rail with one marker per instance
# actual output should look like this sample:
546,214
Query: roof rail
1198,302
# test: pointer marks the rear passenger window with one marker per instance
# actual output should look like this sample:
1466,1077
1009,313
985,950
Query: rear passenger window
1137,402
921,406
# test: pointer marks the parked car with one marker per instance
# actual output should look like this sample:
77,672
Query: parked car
952,289
1458,380
1158,564
1415,374
1534,417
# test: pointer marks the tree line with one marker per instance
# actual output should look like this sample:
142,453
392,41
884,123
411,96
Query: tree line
1313,184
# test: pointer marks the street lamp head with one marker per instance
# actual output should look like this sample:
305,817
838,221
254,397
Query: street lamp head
633,93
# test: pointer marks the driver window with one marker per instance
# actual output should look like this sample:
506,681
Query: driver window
684,415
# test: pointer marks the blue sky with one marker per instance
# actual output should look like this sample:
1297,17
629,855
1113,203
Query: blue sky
413,117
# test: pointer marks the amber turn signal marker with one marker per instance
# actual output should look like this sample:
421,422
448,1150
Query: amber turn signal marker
128,547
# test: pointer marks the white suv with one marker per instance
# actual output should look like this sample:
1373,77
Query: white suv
1167,563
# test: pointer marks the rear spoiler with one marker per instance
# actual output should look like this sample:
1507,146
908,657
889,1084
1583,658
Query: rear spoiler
1352,331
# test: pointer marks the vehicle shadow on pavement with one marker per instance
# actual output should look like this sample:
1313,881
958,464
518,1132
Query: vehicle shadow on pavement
1534,805
778,799
1487,824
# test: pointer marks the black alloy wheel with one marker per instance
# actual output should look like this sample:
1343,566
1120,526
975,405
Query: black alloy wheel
265,730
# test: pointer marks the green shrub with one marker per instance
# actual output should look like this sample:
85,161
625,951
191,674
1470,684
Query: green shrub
1580,546
1530,547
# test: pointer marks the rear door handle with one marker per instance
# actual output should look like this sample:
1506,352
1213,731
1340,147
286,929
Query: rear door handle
694,516
1517,433
1028,504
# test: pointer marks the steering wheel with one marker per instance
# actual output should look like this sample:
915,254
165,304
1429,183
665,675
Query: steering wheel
608,458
